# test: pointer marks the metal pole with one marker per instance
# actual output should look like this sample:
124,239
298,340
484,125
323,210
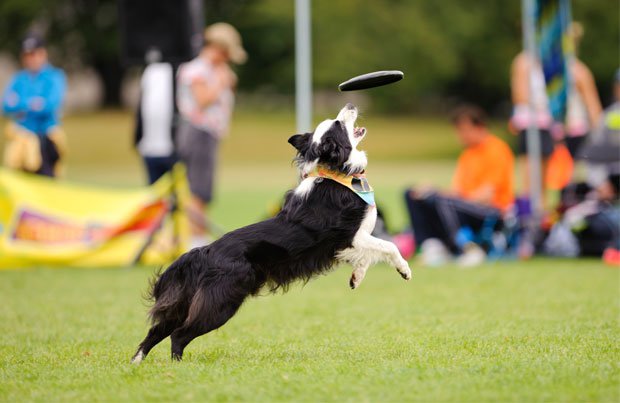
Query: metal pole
303,66
532,136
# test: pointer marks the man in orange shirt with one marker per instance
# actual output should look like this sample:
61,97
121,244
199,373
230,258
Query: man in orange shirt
482,190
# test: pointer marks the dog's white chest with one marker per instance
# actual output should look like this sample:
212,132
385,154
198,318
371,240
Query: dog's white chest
369,221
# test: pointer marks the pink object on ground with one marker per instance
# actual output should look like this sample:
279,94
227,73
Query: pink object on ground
611,257
405,244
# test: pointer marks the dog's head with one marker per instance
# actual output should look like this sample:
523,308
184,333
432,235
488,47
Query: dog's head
333,144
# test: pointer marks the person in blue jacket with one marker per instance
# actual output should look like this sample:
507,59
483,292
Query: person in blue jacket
32,101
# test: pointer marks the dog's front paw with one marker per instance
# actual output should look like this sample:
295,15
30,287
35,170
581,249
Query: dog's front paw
404,270
357,277
354,282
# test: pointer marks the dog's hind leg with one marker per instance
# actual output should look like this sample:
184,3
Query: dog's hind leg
207,313
156,334
359,272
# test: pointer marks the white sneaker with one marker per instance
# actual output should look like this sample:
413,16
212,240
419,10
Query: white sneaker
472,256
433,253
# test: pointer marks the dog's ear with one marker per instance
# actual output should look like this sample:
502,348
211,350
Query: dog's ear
301,142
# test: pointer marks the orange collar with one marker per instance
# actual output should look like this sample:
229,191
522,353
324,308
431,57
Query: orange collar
356,182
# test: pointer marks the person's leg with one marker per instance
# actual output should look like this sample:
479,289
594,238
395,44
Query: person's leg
546,149
58,138
482,220
573,144
424,218
196,211
189,155
602,231
198,150
451,221
49,157
209,149
419,219
203,177
457,213
169,162
150,163
522,161
479,218
156,167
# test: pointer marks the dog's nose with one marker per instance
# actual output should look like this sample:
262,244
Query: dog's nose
349,105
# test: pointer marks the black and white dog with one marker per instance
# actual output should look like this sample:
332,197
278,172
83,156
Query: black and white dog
323,222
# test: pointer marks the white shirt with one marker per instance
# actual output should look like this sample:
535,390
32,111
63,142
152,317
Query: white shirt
577,120
522,116
157,110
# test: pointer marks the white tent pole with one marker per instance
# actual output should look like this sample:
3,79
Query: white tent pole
533,136
303,66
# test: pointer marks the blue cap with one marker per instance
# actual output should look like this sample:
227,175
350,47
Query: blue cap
32,42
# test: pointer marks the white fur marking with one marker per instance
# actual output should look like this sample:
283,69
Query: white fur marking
305,186
306,167
321,129
137,359
357,161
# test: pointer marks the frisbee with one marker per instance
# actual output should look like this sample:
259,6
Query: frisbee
370,80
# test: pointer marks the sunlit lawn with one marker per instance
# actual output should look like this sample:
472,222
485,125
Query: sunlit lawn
543,331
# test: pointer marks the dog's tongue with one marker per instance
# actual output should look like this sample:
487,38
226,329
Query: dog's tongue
359,131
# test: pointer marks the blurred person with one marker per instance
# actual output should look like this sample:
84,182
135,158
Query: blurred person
604,176
522,117
596,224
584,106
591,210
482,190
205,99
155,120
602,233
32,101
594,220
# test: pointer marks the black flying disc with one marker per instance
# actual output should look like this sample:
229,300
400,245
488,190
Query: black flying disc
370,80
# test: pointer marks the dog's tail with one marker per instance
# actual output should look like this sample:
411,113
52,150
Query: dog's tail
169,291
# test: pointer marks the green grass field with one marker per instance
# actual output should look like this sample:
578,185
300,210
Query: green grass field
542,331
545,330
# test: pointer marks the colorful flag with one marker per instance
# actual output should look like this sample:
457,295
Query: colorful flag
556,50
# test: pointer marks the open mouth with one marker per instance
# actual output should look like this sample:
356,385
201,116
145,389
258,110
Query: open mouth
359,132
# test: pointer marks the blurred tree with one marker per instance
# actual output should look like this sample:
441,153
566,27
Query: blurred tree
600,46
79,32
450,50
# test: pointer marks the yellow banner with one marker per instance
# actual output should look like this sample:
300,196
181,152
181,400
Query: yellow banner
50,222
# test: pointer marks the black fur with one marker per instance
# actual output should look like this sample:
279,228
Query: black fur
333,150
205,287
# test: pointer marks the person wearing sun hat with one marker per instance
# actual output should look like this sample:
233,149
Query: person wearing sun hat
32,101
205,98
